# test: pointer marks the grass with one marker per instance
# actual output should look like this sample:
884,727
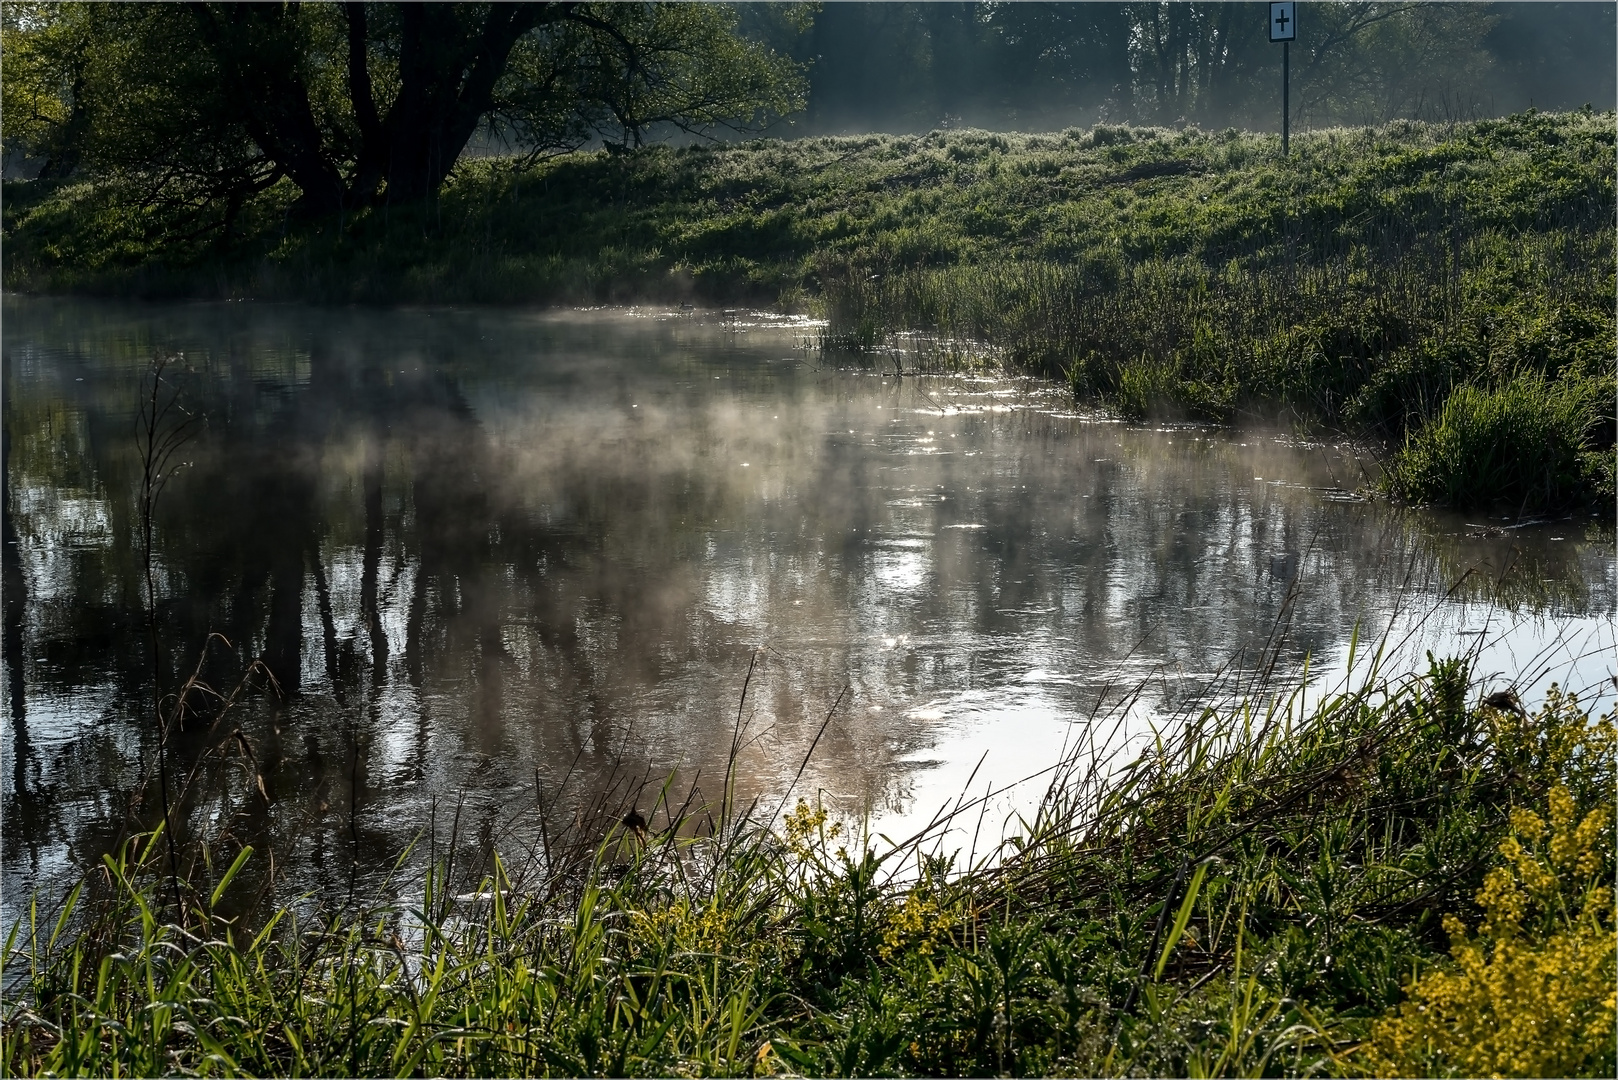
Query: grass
1524,442
1265,889
1355,284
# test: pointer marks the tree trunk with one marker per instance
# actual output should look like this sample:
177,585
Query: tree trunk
371,167
447,73
449,61
256,48
67,146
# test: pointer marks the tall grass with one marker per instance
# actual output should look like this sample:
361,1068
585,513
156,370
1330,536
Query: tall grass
1254,892
1524,443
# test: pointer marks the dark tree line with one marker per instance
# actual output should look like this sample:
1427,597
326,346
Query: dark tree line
205,104
356,103
1040,66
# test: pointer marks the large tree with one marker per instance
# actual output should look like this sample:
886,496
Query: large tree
361,102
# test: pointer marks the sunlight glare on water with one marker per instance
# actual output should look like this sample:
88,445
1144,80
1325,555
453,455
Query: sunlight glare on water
500,563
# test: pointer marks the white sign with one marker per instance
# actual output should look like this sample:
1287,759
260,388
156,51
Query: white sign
1283,22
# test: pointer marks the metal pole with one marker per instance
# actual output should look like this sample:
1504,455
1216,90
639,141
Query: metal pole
1286,93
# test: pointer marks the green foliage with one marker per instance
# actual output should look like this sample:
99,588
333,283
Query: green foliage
1532,993
133,99
1523,444
36,90
207,105
1250,895
684,66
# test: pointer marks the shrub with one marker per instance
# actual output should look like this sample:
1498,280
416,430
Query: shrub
1532,994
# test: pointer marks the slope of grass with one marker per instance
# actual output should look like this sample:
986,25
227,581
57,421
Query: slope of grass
1402,881
1354,284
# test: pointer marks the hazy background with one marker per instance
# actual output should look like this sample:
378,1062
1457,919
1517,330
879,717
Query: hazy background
1039,66
135,90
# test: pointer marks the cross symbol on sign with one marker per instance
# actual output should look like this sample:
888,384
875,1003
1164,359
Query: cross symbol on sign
1283,22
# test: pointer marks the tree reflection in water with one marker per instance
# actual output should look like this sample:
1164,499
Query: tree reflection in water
483,550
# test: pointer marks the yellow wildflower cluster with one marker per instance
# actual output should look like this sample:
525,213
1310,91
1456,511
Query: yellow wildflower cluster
705,927
1533,994
807,831
917,924
1556,741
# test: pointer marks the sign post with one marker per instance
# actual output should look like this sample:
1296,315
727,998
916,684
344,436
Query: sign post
1284,28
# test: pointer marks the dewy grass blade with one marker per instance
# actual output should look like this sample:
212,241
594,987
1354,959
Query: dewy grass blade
230,873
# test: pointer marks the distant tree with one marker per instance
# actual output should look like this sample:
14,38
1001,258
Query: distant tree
1367,63
361,102
1353,62
869,68
1189,59
1555,56
1059,63
915,66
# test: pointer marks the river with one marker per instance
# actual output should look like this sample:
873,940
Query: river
510,565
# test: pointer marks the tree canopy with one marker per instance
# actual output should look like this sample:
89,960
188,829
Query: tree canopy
357,103
1043,66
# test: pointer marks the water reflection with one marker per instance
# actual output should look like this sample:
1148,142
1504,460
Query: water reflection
500,556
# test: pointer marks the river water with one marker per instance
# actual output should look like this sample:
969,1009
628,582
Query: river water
499,564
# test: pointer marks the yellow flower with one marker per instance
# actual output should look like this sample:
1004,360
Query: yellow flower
1526,823
919,923
806,829
1561,808
1516,1001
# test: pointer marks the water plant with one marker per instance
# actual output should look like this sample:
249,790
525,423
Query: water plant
1523,444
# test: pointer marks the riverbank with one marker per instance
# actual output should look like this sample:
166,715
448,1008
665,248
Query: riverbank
1410,879
1355,285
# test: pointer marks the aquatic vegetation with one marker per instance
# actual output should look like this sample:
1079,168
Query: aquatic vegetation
1524,443
1259,890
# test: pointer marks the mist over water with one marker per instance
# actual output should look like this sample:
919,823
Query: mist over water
501,564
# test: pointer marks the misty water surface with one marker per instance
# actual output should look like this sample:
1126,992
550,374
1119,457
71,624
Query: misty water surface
496,561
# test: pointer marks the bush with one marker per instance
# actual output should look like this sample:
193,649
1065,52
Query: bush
1532,993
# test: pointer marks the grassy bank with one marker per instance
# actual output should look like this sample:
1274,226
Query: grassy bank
1407,880
1356,284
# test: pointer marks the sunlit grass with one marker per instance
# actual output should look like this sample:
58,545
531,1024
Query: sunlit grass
1523,443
